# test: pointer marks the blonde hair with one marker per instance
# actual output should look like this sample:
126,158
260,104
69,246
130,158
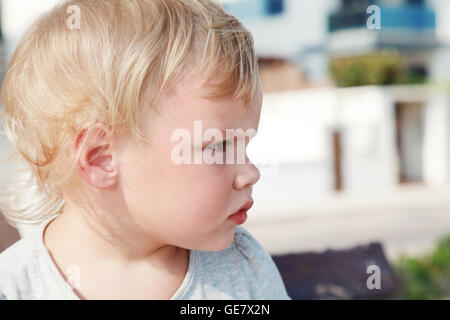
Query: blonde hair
63,80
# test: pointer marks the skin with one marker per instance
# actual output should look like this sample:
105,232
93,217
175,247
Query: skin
156,211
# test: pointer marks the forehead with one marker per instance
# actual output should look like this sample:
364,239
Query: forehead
186,103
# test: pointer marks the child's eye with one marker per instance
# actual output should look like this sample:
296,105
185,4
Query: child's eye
220,146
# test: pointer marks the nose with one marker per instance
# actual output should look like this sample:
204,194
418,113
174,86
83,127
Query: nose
247,176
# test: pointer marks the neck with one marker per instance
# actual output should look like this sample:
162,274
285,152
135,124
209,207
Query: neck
76,233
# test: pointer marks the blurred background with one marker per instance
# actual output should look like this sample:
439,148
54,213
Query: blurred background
353,144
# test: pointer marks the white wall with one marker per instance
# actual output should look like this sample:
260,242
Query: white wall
295,134
293,138
369,151
303,23
295,130
436,153
442,11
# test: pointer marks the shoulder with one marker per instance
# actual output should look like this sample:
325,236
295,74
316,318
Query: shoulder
246,244
249,248
17,263
261,273
17,256
19,253
253,253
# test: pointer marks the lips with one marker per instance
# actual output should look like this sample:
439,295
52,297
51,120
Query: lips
245,207
240,216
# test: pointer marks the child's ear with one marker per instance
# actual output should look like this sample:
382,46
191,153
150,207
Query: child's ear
100,157
95,163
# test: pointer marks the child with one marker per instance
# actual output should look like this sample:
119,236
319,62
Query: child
96,94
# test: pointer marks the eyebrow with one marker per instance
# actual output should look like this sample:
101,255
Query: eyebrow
224,136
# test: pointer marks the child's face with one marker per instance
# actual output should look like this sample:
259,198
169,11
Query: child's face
188,205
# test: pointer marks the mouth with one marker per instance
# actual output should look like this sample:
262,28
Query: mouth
240,216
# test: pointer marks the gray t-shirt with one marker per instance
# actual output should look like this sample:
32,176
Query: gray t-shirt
244,270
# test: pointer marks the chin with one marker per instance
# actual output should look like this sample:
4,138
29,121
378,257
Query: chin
222,243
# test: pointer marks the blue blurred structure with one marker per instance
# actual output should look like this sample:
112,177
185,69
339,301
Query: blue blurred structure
411,14
408,16
254,8
312,32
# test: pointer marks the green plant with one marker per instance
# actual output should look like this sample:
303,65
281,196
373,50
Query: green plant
378,68
425,277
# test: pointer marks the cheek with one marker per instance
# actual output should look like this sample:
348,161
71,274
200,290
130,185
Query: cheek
184,196
205,190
